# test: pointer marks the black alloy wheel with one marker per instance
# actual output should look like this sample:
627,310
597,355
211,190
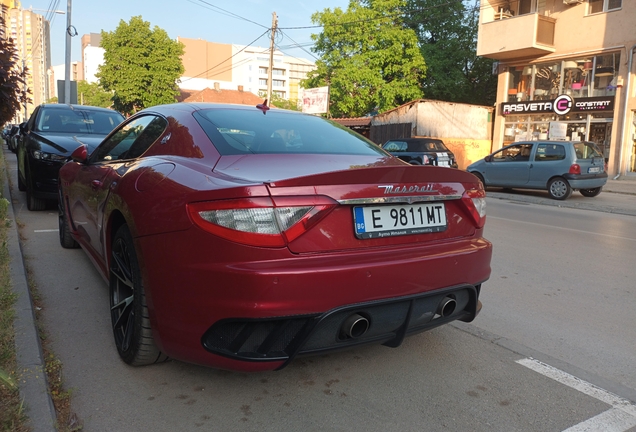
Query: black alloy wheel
591,192
66,239
128,309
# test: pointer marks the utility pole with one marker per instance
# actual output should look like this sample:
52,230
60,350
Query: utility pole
67,69
271,59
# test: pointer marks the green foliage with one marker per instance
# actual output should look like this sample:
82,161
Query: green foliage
141,66
92,94
369,58
12,93
447,32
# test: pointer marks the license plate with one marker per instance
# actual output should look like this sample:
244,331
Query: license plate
594,169
396,220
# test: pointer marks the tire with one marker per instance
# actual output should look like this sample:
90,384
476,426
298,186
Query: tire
591,192
33,203
66,239
128,309
559,189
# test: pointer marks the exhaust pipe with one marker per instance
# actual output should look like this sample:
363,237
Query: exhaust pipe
446,307
355,326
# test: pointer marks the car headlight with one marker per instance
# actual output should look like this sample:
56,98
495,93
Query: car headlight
37,154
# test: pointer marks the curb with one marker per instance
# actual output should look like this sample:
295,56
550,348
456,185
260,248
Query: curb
30,361
628,210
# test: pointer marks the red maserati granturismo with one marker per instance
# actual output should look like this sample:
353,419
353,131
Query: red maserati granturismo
241,237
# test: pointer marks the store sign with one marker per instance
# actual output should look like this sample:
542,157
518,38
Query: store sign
562,105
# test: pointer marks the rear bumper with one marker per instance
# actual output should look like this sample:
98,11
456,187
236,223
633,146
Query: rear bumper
196,283
389,322
586,181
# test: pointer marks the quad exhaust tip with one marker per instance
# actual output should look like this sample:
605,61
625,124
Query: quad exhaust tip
355,326
446,307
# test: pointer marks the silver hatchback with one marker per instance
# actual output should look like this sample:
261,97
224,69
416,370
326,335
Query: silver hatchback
556,166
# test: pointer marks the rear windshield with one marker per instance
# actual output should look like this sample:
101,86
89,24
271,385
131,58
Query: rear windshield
587,150
415,146
77,121
239,131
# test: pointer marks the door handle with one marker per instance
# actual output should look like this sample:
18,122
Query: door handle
96,184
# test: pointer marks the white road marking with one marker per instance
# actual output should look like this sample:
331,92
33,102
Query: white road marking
562,228
613,420
622,415
49,230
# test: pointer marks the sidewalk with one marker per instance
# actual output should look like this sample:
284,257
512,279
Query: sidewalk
618,196
624,185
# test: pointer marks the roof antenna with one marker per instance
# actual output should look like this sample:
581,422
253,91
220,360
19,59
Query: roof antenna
263,106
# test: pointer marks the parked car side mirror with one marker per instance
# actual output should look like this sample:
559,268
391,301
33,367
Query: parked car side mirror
80,154
23,128
488,158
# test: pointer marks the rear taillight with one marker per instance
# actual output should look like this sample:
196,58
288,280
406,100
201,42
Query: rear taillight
575,169
260,221
475,202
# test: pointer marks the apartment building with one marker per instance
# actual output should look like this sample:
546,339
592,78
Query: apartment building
30,33
231,66
566,71
92,56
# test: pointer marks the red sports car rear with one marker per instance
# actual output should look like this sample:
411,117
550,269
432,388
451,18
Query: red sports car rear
240,238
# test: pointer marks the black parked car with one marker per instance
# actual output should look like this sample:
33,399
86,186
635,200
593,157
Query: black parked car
421,151
49,138
12,138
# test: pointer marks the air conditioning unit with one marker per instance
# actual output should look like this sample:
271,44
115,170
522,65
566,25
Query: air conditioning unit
573,2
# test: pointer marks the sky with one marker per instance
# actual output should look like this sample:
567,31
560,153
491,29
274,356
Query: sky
211,20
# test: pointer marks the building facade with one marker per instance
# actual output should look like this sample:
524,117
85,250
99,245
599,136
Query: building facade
30,33
230,66
564,65
92,56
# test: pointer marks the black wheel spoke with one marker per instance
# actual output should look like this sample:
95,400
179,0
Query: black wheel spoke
121,270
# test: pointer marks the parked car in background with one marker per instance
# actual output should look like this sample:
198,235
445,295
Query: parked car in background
559,167
421,151
51,134
5,132
13,137
240,237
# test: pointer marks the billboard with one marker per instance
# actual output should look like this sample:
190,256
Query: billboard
315,100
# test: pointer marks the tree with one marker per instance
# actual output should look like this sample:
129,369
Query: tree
447,32
369,58
141,66
92,94
12,92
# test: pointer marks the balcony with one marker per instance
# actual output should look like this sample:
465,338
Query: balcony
509,37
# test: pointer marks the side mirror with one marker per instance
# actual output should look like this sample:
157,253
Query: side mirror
80,154
488,158
23,128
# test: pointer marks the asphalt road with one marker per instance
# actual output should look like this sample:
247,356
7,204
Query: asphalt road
561,292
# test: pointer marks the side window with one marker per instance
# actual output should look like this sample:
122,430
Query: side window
395,146
514,153
131,140
550,152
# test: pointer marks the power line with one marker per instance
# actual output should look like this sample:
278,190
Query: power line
231,57
226,12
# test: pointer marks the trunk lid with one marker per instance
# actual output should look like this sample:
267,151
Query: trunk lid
373,192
